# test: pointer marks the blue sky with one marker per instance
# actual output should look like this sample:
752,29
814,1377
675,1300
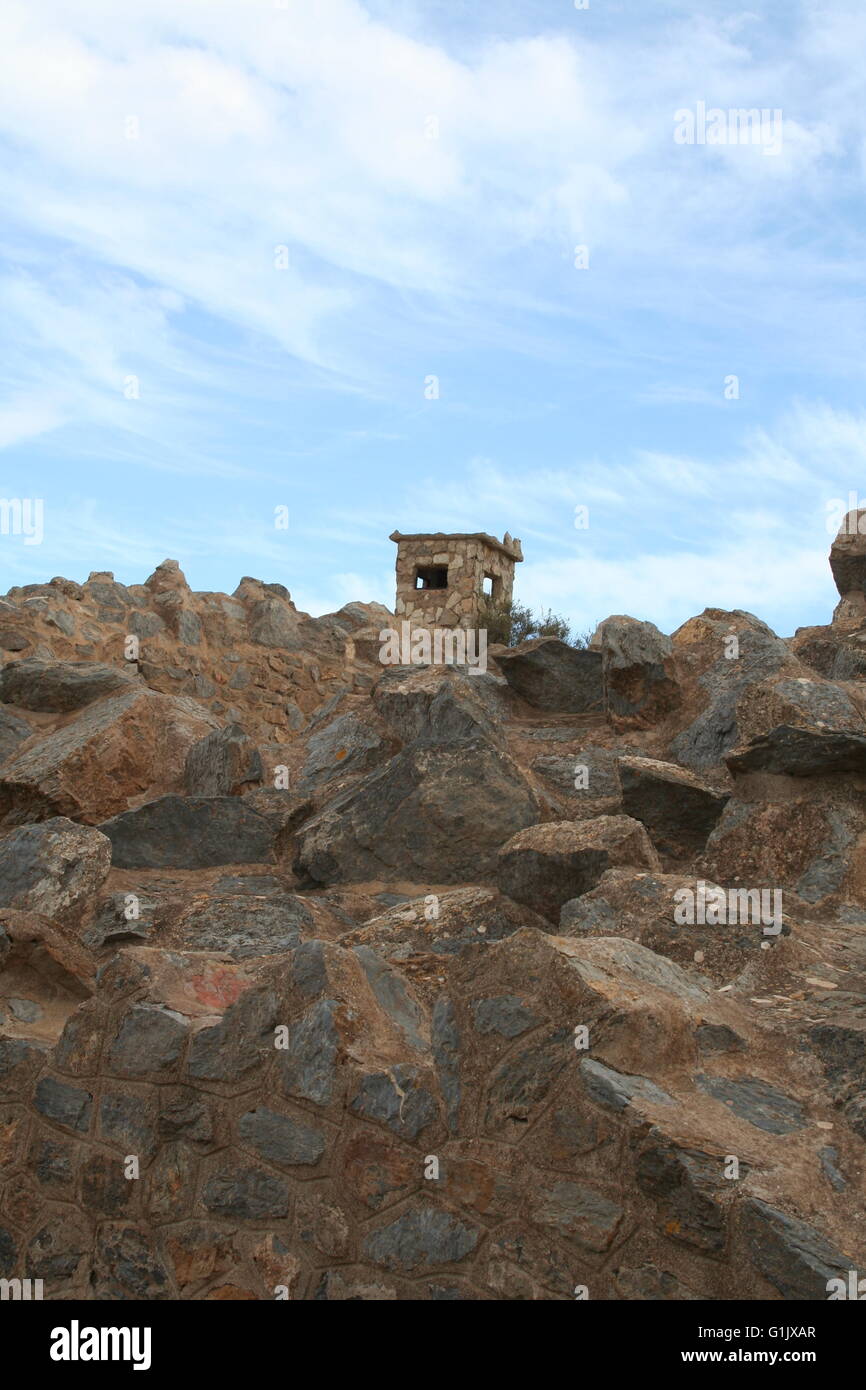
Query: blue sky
240,237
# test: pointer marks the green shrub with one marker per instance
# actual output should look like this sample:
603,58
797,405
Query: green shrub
513,623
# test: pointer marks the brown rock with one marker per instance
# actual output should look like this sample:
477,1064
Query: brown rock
126,748
546,865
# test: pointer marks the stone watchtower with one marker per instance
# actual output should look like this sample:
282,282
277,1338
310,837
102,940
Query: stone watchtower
442,580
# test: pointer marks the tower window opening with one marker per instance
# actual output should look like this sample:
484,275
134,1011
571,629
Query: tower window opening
431,577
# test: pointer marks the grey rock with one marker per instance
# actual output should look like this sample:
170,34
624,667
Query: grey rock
53,1161
57,1250
436,812
433,706
53,867
678,808
420,1238
59,686
244,926
241,1040
20,1058
112,926
25,1010
104,1188
829,1160
547,865
521,1082
801,752
281,1138
551,675
587,915
637,670
504,1014
64,622
187,832
150,1039
143,624
686,1186
841,1049
714,732
601,775
246,1194
13,731
756,1101
352,743
831,863
397,1099
274,622
393,996
616,1089
127,1123
794,1257
578,1213
188,628
445,1039
308,1067
309,974
223,763
717,1037
127,1267
185,1113
66,1105
107,592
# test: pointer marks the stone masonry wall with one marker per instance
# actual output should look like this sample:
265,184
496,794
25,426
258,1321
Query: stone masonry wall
317,1126
468,559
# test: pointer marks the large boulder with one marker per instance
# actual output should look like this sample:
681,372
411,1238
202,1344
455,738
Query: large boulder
239,923
52,965
801,700
354,742
223,763
640,686
272,618
801,752
678,808
434,813
190,832
719,655
58,687
444,923
439,706
848,556
127,746
814,846
546,865
551,675
801,725
643,906
54,868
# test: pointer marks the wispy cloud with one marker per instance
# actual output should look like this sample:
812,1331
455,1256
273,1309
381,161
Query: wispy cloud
241,237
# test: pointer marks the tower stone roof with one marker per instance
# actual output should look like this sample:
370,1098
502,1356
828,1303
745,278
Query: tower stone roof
511,548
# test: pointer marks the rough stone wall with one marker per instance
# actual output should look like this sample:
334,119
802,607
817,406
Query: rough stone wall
468,559
250,655
318,1127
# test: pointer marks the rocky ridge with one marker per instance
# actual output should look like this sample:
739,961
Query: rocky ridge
326,980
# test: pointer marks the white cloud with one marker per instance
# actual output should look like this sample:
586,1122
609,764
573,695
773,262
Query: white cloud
430,193
309,127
